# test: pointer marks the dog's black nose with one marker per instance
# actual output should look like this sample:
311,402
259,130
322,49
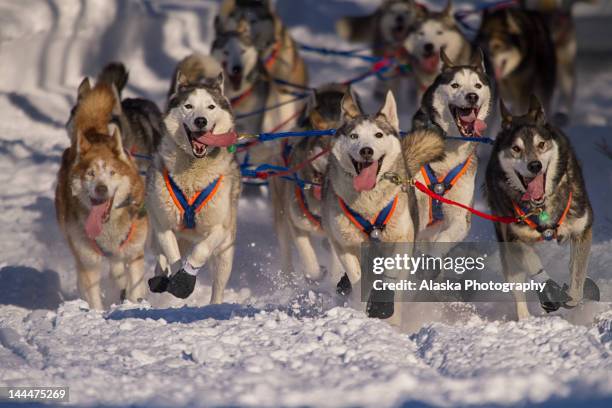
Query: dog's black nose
366,153
101,190
471,98
399,19
429,48
534,166
236,70
200,122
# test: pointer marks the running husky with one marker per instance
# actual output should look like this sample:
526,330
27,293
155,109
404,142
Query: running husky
250,88
533,174
302,203
139,120
99,201
193,188
386,30
519,46
436,31
275,48
457,104
366,147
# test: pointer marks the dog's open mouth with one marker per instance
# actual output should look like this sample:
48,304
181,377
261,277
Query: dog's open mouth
202,140
534,187
367,173
235,81
99,214
198,147
399,32
467,120
429,61
500,69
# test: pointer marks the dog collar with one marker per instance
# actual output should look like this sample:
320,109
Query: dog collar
441,185
190,207
373,229
539,222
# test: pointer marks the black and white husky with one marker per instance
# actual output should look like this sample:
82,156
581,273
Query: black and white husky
457,104
533,173
193,188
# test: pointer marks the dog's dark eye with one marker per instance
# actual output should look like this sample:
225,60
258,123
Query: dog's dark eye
516,149
112,172
188,106
378,135
353,135
439,33
478,86
211,107
455,85
91,173
541,145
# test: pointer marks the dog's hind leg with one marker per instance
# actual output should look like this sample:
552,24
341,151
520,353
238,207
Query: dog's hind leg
221,269
580,248
308,256
513,259
281,225
136,289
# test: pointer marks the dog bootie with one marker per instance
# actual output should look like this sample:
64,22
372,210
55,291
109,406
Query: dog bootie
380,304
344,287
159,284
553,296
181,284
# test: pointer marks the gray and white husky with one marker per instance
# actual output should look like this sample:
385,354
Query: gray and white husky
436,31
366,147
193,188
457,104
533,173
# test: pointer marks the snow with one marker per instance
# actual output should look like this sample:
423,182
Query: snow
276,342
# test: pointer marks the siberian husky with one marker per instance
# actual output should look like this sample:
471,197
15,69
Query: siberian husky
386,30
193,187
302,203
518,44
277,51
457,104
434,32
139,120
99,201
250,90
366,147
533,174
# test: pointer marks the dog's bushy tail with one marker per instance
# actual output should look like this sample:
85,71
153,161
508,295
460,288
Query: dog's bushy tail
422,146
357,29
114,73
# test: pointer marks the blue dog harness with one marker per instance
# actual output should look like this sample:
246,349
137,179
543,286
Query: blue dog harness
372,229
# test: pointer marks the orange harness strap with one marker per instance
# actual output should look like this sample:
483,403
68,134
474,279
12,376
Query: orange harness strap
534,225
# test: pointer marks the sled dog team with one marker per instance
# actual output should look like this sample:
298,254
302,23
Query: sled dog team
135,178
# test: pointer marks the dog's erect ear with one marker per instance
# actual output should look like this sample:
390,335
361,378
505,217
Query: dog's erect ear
513,26
84,88
478,60
180,82
117,145
244,28
506,116
82,143
217,83
117,105
446,62
536,111
226,7
448,12
350,110
389,111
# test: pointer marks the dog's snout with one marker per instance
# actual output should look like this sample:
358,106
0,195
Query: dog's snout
236,70
399,19
366,153
471,98
534,166
428,47
200,122
101,190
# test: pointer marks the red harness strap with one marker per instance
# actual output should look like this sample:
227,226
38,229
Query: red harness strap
102,252
299,196
237,100
271,59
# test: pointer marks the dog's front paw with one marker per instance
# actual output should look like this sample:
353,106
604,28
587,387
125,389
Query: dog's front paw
344,287
552,296
181,284
159,284
380,304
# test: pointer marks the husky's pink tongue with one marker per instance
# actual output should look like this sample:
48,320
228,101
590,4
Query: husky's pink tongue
219,139
366,180
479,127
316,191
535,189
469,118
95,219
430,64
